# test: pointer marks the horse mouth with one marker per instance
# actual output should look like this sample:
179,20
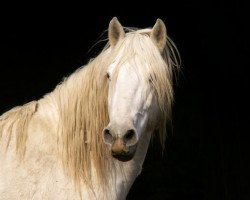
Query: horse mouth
123,158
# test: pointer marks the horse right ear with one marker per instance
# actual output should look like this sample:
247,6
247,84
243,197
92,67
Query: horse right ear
159,34
115,32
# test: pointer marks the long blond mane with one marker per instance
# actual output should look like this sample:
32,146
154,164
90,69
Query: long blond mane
82,103
16,121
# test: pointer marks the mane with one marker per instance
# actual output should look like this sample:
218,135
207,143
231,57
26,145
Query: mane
82,105
16,121
81,101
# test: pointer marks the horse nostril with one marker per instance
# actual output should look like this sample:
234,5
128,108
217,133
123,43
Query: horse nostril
129,135
107,136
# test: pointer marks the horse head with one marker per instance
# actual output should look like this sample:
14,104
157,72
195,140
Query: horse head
132,101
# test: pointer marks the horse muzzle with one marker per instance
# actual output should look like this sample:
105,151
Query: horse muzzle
123,146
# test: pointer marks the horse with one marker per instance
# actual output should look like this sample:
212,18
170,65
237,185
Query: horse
88,138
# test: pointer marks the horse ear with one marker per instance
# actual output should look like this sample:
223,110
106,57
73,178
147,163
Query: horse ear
115,31
159,34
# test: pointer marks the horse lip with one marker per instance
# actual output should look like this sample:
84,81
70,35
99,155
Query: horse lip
123,157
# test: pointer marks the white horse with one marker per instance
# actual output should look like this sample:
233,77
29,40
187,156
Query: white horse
89,137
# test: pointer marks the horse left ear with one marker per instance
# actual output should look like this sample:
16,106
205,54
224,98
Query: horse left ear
159,34
115,32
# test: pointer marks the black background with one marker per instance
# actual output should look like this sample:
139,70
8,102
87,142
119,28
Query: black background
207,157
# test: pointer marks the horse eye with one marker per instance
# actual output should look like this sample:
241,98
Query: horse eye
150,79
108,76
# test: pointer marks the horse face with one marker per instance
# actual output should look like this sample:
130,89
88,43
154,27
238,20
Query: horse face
129,103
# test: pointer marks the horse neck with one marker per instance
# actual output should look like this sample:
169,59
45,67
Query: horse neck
47,110
126,172
61,97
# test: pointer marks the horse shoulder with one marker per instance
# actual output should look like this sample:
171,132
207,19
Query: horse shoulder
38,172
